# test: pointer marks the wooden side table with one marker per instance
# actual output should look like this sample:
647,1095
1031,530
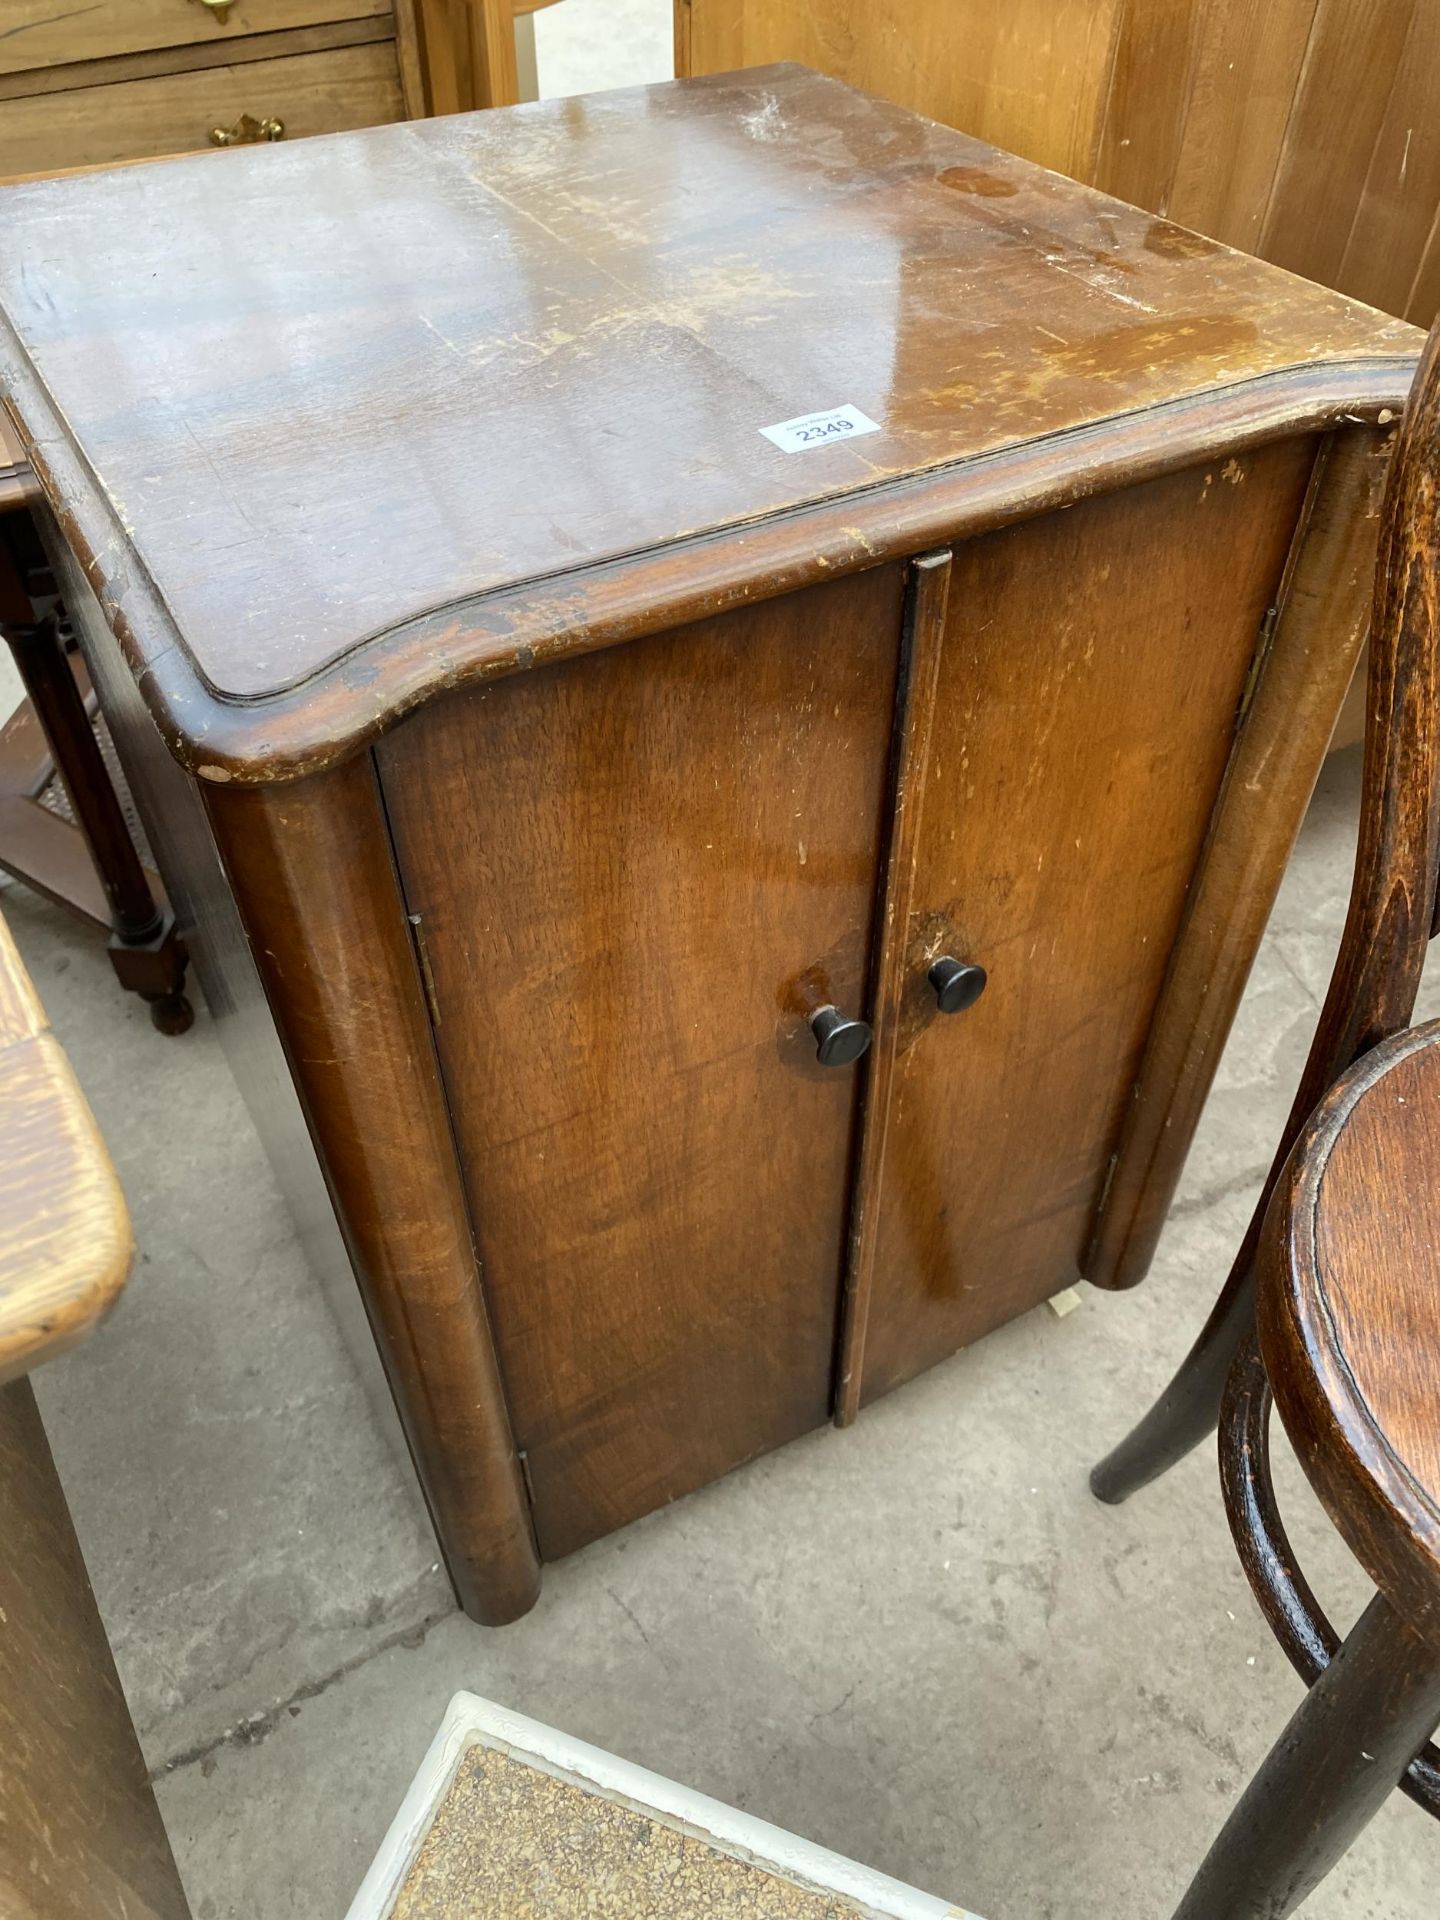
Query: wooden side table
79,1829
82,855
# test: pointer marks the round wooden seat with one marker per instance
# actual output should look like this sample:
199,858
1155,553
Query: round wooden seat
1349,1314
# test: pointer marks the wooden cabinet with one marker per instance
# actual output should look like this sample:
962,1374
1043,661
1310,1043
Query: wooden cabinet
130,79
548,749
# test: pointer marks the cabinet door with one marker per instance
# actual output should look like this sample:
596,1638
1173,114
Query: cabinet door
637,873
1091,667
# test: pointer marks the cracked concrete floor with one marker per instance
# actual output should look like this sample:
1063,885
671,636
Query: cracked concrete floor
921,1642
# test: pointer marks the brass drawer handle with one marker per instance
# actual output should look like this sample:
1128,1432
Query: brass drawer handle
220,9
246,131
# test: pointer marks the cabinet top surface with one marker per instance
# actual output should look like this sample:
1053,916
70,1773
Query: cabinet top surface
294,398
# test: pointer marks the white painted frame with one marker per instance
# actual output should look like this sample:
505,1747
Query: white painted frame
470,1721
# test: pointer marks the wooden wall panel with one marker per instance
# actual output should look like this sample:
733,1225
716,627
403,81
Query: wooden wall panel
1233,134
1307,131
1338,117
1030,75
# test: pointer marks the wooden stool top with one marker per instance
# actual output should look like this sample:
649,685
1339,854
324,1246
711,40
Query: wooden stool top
65,1244
508,1818
17,482
1350,1314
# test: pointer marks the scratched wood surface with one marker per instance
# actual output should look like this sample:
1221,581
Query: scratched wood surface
1307,131
664,273
648,932
65,1245
1046,777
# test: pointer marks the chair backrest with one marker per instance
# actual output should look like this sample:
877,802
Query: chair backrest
1392,913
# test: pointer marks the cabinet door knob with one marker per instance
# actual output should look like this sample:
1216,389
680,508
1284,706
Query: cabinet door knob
838,1041
958,983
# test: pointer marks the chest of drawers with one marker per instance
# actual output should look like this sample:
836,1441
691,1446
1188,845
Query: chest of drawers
129,79
575,766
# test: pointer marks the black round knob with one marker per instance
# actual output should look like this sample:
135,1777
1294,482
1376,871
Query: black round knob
958,984
838,1041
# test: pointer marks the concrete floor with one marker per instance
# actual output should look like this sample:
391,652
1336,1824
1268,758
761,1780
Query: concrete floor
921,1642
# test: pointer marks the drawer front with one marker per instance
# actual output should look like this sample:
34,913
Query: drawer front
174,113
49,33
636,875
1092,668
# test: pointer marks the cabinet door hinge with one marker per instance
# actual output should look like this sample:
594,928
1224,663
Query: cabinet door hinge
422,961
1257,662
523,1457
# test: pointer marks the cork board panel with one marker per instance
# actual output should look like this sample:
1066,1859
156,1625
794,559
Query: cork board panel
510,1842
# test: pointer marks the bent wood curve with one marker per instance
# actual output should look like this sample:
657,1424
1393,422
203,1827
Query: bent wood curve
327,926
313,724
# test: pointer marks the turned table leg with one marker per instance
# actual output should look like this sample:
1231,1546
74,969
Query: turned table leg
1327,1776
145,950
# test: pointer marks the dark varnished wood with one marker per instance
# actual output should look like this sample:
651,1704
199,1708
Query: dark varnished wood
922,643
1327,1776
323,913
1349,1314
172,806
1392,903
1087,623
356,380
454,478
80,1834
1291,1610
1322,613
625,953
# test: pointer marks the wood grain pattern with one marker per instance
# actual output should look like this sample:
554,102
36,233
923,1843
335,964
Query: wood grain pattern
657,863
921,648
174,112
1322,613
1350,1315
17,482
328,931
1072,635
80,1834
968,63
1306,130
65,1243
255,49
1390,918
468,54
50,33
664,308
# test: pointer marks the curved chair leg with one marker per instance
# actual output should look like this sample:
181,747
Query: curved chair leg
1328,1775
1189,1408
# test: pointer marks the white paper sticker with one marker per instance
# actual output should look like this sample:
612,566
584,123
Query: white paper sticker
819,429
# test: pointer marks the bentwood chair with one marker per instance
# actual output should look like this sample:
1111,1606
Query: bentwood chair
1341,1263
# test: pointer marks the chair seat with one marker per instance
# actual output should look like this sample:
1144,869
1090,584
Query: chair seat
1349,1314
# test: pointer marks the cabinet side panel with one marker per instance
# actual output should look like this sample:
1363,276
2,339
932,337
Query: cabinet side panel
179,832
1094,663
636,874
